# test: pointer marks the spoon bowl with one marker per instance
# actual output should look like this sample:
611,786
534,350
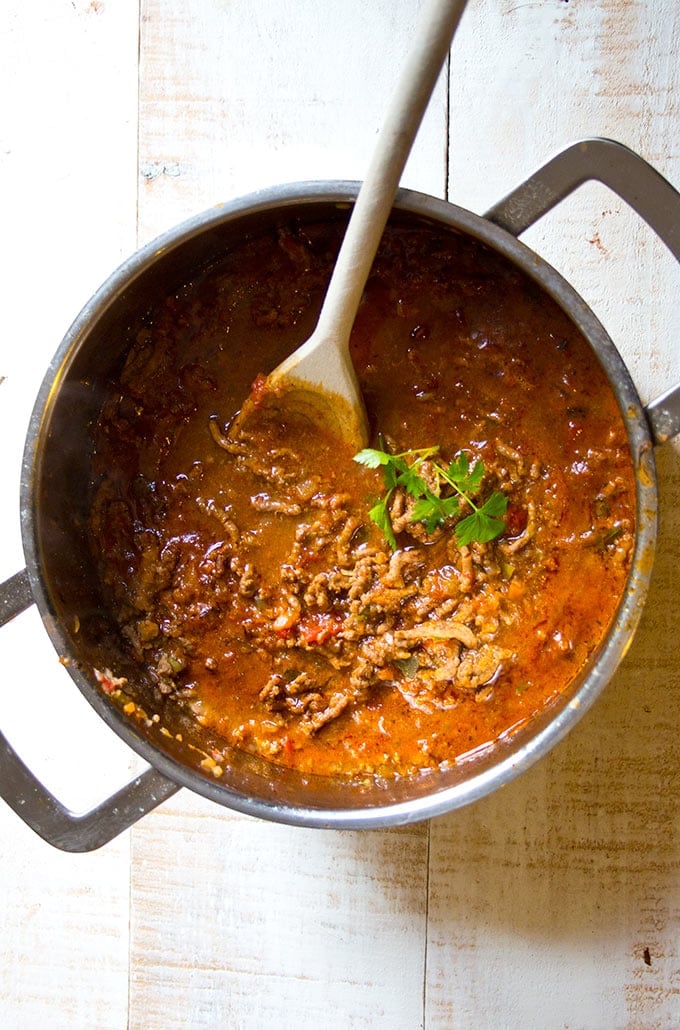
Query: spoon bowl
319,377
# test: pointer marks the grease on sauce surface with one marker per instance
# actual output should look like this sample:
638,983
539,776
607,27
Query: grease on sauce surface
244,570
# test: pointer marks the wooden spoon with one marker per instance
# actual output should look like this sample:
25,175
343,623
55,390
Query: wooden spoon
318,378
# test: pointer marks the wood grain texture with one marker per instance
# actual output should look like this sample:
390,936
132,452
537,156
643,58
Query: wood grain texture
222,111
69,183
69,186
532,78
553,904
68,78
557,900
279,926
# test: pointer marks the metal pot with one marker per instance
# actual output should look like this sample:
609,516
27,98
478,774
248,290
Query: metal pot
59,578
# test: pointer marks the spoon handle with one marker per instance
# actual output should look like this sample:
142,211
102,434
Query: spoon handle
421,70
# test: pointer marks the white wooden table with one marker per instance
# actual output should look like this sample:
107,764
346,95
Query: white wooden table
553,904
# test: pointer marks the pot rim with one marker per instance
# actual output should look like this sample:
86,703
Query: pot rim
508,766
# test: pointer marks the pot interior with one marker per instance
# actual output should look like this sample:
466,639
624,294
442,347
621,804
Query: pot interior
55,511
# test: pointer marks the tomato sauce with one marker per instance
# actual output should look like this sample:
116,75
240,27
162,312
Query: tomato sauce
244,568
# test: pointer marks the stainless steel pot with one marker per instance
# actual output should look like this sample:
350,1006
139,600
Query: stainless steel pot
58,576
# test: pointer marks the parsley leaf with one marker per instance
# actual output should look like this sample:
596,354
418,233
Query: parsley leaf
462,477
483,525
433,511
440,500
380,514
372,458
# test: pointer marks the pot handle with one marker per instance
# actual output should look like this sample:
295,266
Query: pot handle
38,808
636,182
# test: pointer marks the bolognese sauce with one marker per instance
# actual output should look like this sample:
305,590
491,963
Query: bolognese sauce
298,601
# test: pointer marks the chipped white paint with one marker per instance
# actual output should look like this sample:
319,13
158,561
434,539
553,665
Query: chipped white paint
554,904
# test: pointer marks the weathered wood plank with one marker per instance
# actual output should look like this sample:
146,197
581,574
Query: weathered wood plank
70,151
552,904
238,97
250,924
556,902
532,78
244,923
68,77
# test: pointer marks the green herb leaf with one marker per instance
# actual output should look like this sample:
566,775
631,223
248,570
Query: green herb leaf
433,511
372,458
439,501
460,474
408,666
496,505
485,523
380,514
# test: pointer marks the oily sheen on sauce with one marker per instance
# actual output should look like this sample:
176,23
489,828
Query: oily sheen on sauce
243,568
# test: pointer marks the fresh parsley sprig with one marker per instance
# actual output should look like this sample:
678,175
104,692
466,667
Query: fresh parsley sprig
435,503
